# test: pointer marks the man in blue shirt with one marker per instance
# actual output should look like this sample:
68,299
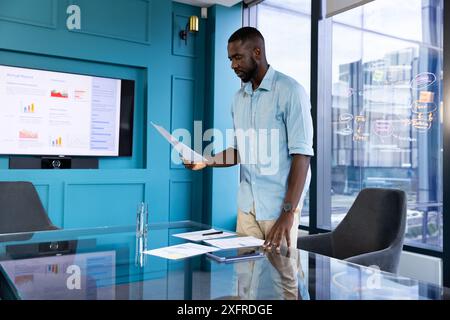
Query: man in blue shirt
273,144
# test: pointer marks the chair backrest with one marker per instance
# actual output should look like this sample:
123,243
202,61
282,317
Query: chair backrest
21,209
375,221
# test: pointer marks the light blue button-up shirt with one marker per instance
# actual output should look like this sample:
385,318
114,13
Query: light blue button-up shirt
271,124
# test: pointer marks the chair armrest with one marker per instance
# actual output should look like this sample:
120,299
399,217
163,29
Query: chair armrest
317,243
385,259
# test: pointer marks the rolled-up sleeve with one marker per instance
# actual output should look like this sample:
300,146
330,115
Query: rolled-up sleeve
299,124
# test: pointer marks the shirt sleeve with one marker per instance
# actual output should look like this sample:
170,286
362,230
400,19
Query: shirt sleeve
299,124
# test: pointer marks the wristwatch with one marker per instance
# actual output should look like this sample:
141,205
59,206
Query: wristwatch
287,207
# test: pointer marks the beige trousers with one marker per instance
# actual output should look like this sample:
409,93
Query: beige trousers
283,271
248,225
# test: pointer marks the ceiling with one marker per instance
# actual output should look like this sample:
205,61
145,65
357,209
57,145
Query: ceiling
208,3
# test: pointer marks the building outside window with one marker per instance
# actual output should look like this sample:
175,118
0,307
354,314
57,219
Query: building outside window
386,110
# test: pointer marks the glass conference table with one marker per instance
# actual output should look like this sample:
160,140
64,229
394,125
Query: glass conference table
108,263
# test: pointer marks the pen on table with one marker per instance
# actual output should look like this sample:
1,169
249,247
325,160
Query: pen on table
212,233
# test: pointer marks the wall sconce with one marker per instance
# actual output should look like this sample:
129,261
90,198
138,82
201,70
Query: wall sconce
191,26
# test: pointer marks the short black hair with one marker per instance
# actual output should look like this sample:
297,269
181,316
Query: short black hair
245,34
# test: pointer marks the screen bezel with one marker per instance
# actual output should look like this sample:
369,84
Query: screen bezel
126,122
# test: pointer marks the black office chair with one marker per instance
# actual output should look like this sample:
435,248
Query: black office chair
21,209
371,234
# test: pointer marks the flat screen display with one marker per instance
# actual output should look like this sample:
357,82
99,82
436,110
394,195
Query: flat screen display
51,278
55,113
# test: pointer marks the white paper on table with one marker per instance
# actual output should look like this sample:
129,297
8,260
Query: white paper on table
181,251
238,242
199,235
185,152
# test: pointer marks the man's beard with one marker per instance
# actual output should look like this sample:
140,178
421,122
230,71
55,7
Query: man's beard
251,73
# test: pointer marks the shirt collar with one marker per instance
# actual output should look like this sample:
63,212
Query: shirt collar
266,83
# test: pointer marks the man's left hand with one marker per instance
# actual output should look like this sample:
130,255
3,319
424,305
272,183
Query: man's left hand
280,230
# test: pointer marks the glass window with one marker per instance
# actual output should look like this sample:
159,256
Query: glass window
303,6
403,18
386,111
286,26
351,17
288,38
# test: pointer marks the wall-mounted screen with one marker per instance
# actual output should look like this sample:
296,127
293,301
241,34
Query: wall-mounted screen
55,113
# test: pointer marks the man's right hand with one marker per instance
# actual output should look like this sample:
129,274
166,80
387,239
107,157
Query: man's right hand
194,166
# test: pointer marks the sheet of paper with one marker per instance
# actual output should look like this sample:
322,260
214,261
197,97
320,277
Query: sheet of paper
204,235
181,251
185,152
238,242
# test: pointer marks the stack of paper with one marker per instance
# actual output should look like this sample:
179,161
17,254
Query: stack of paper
181,251
239,242
204,235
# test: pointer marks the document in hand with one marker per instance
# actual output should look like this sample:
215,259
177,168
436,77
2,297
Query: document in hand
185,152
181,251
204,235
239,242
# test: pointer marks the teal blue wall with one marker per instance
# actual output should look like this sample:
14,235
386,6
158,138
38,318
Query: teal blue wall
131,39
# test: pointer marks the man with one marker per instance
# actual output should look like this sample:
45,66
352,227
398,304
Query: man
277,108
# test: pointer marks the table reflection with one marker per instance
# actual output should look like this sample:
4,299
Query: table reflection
112,265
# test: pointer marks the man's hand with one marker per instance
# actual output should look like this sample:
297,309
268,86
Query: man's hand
225,159
194,166
280,230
